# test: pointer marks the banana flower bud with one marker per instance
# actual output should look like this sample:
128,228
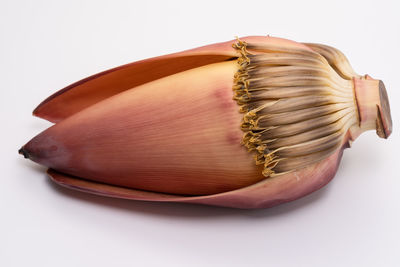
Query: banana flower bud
248,123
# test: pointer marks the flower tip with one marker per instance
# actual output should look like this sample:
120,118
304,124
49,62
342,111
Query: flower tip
23,152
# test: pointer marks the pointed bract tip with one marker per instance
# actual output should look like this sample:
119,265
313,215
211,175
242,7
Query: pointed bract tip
23,152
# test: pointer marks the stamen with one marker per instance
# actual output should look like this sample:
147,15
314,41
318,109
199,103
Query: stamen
296,107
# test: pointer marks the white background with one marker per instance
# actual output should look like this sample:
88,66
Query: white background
46,45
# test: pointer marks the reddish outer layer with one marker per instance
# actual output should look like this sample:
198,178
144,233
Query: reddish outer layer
98,87
177,135
267,193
